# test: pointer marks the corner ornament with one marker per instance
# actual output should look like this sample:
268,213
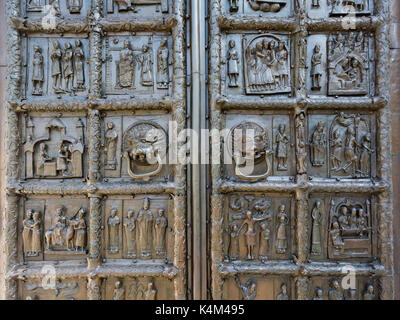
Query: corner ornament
145,146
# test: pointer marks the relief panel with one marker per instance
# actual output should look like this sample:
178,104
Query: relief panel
324,288
324,9
129,288
49,9
136,147
268,8
139,65
54,229
273,142
139,228
258,227
56,67
55,147
342,145
71,289
257,64
137,8
340,64
258,288
342,227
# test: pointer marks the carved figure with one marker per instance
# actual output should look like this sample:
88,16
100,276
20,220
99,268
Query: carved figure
74,6
119,291
265,236
336,239
282,65
316,246
248,289
111,137
113,231
365,155
145,225
68,69
79,65
318,146
233,64
341,7
55,4
27,233
336,146
63,158
37,71
283,295
281,233
80,227
352,295
125,67
301,153
233,5
36,248
151,292
316,68
335,293
163,65
146,61
282,142
318,294
130,234
369,293
267,5
56,70
160,228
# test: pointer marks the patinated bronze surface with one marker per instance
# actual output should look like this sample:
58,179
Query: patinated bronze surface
88,80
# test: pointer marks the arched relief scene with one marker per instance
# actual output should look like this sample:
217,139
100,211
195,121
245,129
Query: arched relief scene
258,228
54,229
55,147
136,147
138,65
58,67
335,8
138,229
342,145
67,289
273,147
267,8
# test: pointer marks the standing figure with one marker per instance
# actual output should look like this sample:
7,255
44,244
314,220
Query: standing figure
234,241
316,247
248,289
233,64
56,71
265,236
125,67
318,145
38,71
283,295
62,159
316,68
74,6
369,293
163,66
60,226
111,137
130,234
36,235
251,235
336,238
251,62
335,293
119,291
270,64
281,234
145,223
282,142
282,65
68,67
350,154
301,152
80,231
336,146
79,65
151,292
147,67
365,154
318,294
27,232
43,158
233,5
113,231
160,228
362,223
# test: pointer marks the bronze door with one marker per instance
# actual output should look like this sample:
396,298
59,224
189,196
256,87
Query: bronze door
311,219
288,195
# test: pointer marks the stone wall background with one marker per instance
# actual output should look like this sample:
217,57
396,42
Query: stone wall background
395,110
